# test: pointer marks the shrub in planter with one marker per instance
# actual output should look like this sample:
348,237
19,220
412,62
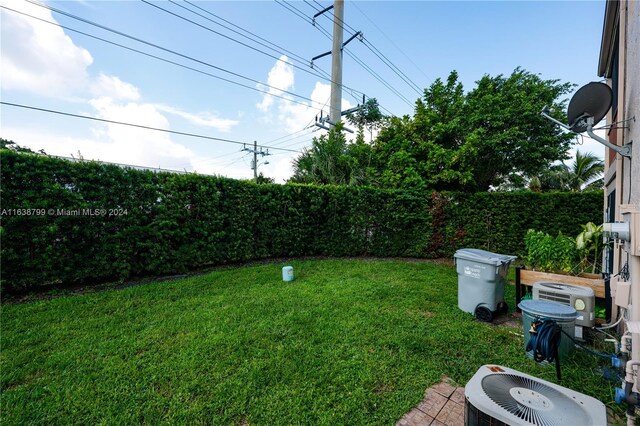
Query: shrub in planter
550,254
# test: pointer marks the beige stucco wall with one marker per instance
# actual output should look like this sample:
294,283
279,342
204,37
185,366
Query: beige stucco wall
631,175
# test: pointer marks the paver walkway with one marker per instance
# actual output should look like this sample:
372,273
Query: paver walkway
443,405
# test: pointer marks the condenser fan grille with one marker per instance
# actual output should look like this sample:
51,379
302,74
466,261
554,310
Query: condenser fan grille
532,401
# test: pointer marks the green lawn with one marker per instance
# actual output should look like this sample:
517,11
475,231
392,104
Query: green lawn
348,342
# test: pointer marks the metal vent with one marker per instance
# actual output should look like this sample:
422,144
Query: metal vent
565,299
533,401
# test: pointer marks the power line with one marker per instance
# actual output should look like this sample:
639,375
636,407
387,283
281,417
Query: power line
163,49
239,42
185,66
383,58
369,70
178,64
390,39
224,35
278,48
295,11
290,139
287,136
309,4
306,127
392,66
193,135
132,166
305,18
364,66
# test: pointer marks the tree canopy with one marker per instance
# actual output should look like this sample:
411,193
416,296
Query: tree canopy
478,140
488,137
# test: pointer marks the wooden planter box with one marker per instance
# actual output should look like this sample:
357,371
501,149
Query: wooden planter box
526,278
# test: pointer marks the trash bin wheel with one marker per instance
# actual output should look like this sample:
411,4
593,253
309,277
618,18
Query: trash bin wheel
503,308
483,314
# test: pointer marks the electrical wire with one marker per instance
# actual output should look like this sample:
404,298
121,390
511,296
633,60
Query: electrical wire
170,61
278,48
380,55
290,141
388,38
392,66
193,135
295,11
133,166
306,127
288,135
370,71
305,18
232,39
324,77
376,52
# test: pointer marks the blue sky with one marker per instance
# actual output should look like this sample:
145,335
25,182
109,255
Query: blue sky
49,67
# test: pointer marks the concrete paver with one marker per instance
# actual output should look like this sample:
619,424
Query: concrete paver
443,405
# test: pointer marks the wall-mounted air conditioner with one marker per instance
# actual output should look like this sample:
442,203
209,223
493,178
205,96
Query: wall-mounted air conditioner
501,396
580,298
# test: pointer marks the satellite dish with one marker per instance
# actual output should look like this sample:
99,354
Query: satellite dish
592,100
586,109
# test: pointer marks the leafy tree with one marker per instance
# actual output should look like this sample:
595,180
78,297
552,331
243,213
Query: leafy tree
9,144
264,179
479,140
368,116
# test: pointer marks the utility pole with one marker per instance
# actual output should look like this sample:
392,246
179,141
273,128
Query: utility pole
254,163
335,112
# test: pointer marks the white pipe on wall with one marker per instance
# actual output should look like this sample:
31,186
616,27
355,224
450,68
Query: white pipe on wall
634,273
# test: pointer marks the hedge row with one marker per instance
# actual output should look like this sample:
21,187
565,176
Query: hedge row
177,222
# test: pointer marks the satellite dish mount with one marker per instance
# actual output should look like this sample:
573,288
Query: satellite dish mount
586,109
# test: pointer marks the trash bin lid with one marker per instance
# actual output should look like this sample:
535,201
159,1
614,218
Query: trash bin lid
547,309
484,256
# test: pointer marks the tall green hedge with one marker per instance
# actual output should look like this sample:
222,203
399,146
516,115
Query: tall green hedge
177,222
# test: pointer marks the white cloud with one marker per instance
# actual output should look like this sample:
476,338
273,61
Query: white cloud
295,115
39,57
139,146
110,86
283,168
202,118
280,78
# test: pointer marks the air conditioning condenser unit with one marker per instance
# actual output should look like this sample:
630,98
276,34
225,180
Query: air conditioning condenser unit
498,396
580,298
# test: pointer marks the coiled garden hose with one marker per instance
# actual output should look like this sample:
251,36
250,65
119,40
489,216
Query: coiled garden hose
544,342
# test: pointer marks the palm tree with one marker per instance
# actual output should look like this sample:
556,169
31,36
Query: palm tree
585,170
329,162
584,174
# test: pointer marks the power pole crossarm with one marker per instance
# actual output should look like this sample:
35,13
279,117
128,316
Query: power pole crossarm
254,162
358,34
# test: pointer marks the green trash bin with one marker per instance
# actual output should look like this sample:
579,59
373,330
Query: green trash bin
563,315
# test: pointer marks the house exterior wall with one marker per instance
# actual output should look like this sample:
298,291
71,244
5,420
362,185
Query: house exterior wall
621,34
632,100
